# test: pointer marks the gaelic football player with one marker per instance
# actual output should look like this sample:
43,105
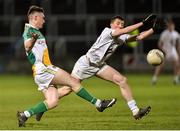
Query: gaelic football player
169,42
94,61
46,75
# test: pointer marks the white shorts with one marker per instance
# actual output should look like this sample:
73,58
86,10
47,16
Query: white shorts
44,78
172,55
83,70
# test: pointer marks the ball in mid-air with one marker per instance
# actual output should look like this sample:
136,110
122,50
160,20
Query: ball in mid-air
155,57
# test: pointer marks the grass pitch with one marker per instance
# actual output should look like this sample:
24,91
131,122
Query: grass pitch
73,113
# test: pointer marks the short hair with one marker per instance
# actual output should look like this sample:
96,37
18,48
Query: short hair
116,17
33,9
170,21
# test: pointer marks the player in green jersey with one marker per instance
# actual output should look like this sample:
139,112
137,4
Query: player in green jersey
48,76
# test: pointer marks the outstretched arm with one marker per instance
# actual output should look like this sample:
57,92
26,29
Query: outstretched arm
141,36
145,34
145,22
128,29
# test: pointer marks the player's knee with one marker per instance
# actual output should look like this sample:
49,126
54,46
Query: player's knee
75,85
53,102
121,81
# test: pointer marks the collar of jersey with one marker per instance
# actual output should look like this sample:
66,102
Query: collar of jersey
27,24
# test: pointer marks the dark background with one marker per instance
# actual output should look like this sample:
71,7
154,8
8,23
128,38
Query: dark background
72,26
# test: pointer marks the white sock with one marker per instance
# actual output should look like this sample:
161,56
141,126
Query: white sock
154,79
98,103
133,107
176,79
27,114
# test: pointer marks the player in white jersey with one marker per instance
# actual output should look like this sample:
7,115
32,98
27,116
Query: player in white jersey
48,76
94,62
169,43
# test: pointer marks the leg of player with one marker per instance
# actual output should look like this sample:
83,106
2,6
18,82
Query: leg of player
176,71
63,91
110,74
51,101
75,85
157,72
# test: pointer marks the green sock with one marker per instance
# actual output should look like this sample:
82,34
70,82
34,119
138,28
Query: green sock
40,107
83,93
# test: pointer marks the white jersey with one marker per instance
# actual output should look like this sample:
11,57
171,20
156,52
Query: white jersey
105,46
169,40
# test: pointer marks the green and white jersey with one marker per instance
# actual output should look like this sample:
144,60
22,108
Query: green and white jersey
38,56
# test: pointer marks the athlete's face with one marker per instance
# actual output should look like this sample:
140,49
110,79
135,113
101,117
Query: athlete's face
170,26
117,23
38,19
